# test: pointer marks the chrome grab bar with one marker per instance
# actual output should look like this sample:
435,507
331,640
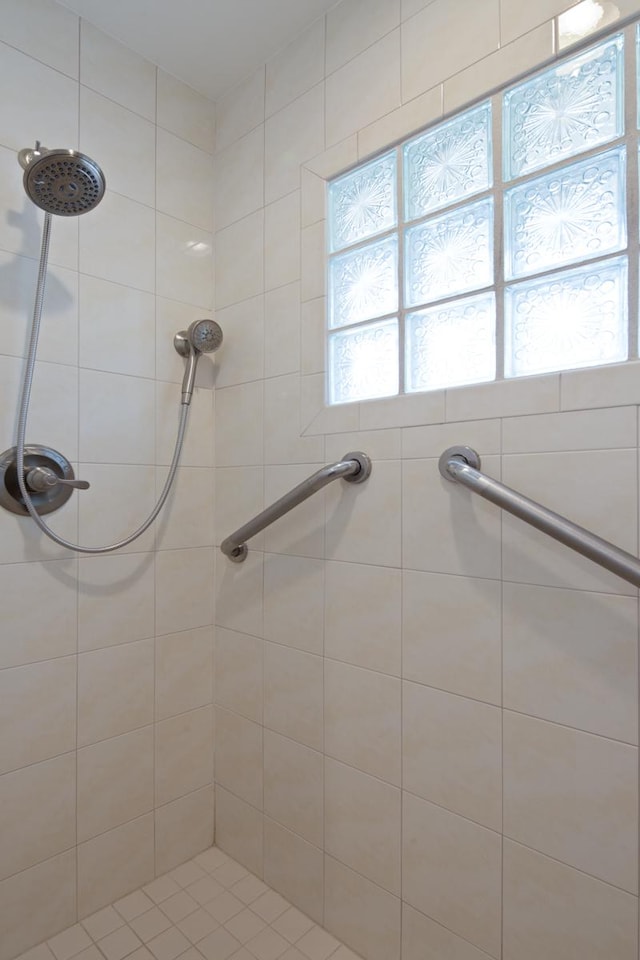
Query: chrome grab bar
461,465
354,468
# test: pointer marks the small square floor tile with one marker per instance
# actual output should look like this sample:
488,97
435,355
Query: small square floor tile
292,925
205,890
249,889
119,944
270,906
105,921
268,945
150,924
161,889
91,953
187,873
219,945
317,944
212,859
230,873
41,952
245,925
169,944
198,925
69,943
224,907
179,906
133,905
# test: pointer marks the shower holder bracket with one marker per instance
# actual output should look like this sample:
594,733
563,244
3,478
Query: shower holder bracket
35,455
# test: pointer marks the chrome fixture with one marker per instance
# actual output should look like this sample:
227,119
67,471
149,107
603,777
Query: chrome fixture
64,182
354,468
49,478
37,480
461,464
203,336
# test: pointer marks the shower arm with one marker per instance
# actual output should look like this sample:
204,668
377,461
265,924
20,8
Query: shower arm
354,468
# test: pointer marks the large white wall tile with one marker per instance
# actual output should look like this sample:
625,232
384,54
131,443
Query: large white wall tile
115,863
362,720
564,654
117,72
184,181
294,868
238,673
363,616
360,913
184,589
43,104
122,143
239,258
292,135
239,830
362,824
293,694
354,25
117,242
240,110
572,796
239,178
239,756
55,42
296,68
184,671
554,911
184,754
451,870
36,726
293,786
451,634
115,600
185,112
184,263
364,89
32,830
37,904
293,607
115,691
452,753
39,631
115,782
443,39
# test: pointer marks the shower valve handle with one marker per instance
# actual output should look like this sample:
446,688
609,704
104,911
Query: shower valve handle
41,479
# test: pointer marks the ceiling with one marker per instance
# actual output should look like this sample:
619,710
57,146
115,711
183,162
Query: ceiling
210,44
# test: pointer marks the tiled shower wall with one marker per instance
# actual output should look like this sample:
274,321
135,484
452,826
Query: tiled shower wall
106,727
426,713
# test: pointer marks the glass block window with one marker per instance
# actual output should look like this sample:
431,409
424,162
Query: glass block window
496,243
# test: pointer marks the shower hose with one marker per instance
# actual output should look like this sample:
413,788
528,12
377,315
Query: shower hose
24,412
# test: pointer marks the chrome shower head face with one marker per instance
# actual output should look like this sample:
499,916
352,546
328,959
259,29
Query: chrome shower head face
63,182
205,335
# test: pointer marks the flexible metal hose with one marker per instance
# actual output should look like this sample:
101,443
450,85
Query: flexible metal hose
24,412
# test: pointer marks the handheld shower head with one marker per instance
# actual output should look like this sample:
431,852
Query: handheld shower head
203,336
64,182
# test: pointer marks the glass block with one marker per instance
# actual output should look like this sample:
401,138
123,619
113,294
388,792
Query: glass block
567,216
451,344
448,163
363,203
565,110
450,254
577,318
363,363
363,284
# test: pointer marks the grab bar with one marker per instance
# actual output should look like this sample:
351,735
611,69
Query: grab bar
461,464
354,468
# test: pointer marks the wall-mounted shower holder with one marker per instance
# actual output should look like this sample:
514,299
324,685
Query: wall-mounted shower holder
49,476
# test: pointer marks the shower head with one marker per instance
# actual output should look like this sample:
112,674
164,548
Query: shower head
64,182
203,336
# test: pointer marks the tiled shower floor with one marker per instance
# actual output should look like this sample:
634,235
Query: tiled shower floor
210,908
